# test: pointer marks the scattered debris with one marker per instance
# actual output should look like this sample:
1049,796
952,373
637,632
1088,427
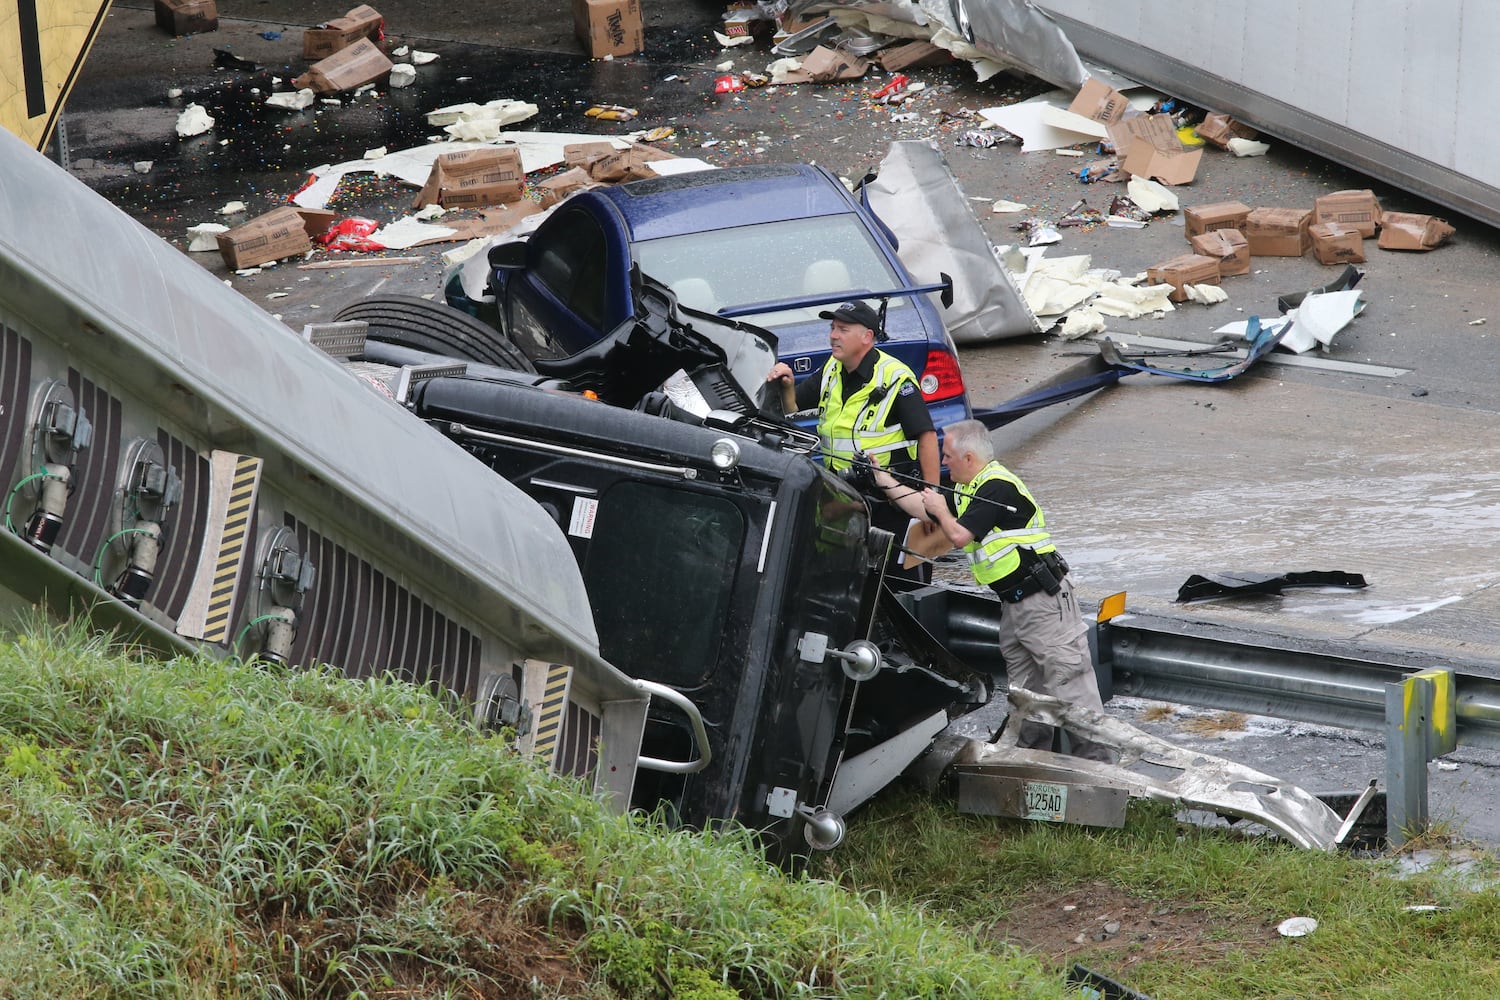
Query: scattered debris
1296,926
1203,586
402,75
1248,147
292,100
224,59
1406,231
202,236
194,120
611,113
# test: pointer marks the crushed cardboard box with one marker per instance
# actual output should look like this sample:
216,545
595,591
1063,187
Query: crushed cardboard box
1099,101
912,55
323,41
1359,209
354,66
187,17
559,186
1147,146
609,27
1407,231
1228,246
1278,232
1198,219
608,165
488,175
281,232
1183,270
1219,129
1336,243
825,65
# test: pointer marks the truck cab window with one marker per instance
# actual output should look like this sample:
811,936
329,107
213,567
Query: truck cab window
660,571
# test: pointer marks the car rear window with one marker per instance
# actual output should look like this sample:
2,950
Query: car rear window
798,258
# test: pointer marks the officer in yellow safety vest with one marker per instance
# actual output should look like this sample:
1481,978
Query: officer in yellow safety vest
993,517
868,404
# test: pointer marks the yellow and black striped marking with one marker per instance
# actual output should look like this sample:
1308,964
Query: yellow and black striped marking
550,719
231,548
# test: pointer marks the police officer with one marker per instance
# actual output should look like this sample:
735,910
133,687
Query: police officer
868,403
993,517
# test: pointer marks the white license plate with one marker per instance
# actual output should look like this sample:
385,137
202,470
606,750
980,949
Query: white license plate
1046,801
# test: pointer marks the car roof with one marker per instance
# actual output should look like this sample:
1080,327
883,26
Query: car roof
703,200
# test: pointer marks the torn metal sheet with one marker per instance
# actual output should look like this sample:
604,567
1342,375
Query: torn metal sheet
1202,586
1078,380
917,196
1151,768
1262,339
1011,32
1320,317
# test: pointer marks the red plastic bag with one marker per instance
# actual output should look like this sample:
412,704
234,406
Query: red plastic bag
350,234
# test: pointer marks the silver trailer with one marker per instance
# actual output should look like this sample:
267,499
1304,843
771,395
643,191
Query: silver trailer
1397,89
183,467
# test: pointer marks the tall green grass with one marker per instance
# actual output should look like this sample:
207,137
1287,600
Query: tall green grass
197,828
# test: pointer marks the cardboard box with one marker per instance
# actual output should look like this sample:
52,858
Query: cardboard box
1359,209
1147,146
363,21
1219,129
489,175
609,165
1099,101
187,17
351,67
1405,231
281,232
609,27
1199,219
557,187
1278,232
1228,246
1187,269
1336,243
912,55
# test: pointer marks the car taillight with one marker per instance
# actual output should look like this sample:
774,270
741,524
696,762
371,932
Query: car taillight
941,378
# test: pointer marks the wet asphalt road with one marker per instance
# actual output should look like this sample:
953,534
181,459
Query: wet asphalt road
1285,469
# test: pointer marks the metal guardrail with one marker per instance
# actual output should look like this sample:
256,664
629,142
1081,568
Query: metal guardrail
1424,713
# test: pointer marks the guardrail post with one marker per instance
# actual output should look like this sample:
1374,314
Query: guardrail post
1420,724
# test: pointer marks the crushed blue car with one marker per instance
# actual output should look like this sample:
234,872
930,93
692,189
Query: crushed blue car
771,245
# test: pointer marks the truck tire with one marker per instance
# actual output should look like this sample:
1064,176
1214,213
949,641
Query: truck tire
409,321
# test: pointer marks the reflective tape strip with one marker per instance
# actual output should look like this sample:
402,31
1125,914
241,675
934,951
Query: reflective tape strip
232,554
549,719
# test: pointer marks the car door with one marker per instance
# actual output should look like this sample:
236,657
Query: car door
575,286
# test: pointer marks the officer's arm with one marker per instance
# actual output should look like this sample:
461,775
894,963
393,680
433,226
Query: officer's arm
938,510
903,495
929,457
781,374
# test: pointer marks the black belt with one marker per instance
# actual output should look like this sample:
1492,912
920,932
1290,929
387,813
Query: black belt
1053,569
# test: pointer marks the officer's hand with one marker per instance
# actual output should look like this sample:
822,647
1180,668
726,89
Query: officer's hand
779,372
933,502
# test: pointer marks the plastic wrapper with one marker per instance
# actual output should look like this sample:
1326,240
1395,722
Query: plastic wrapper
350,234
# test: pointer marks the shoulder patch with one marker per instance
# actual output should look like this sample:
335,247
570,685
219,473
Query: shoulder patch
906,389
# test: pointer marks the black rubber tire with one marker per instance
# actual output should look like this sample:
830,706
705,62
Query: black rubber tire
423,325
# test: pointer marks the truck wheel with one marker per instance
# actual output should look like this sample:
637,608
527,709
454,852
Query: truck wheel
409,321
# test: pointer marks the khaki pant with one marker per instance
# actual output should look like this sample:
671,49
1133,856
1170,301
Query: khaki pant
1044,640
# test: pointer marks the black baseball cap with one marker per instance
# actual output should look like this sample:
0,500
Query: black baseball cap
854,312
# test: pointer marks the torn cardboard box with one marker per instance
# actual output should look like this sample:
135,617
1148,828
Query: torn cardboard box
1228,246
1183,270
1219,129
281,232
825,65
1405,231
323,41
187,17
1336,243
1278,232
912,55
351,67
1147,146
1197,219
1358,209
488,175
608,165
1099,101
559,186
609,27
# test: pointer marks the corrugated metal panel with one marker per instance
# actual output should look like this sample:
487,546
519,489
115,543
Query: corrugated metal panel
1398,89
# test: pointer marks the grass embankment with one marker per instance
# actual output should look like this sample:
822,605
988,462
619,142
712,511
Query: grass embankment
200,829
